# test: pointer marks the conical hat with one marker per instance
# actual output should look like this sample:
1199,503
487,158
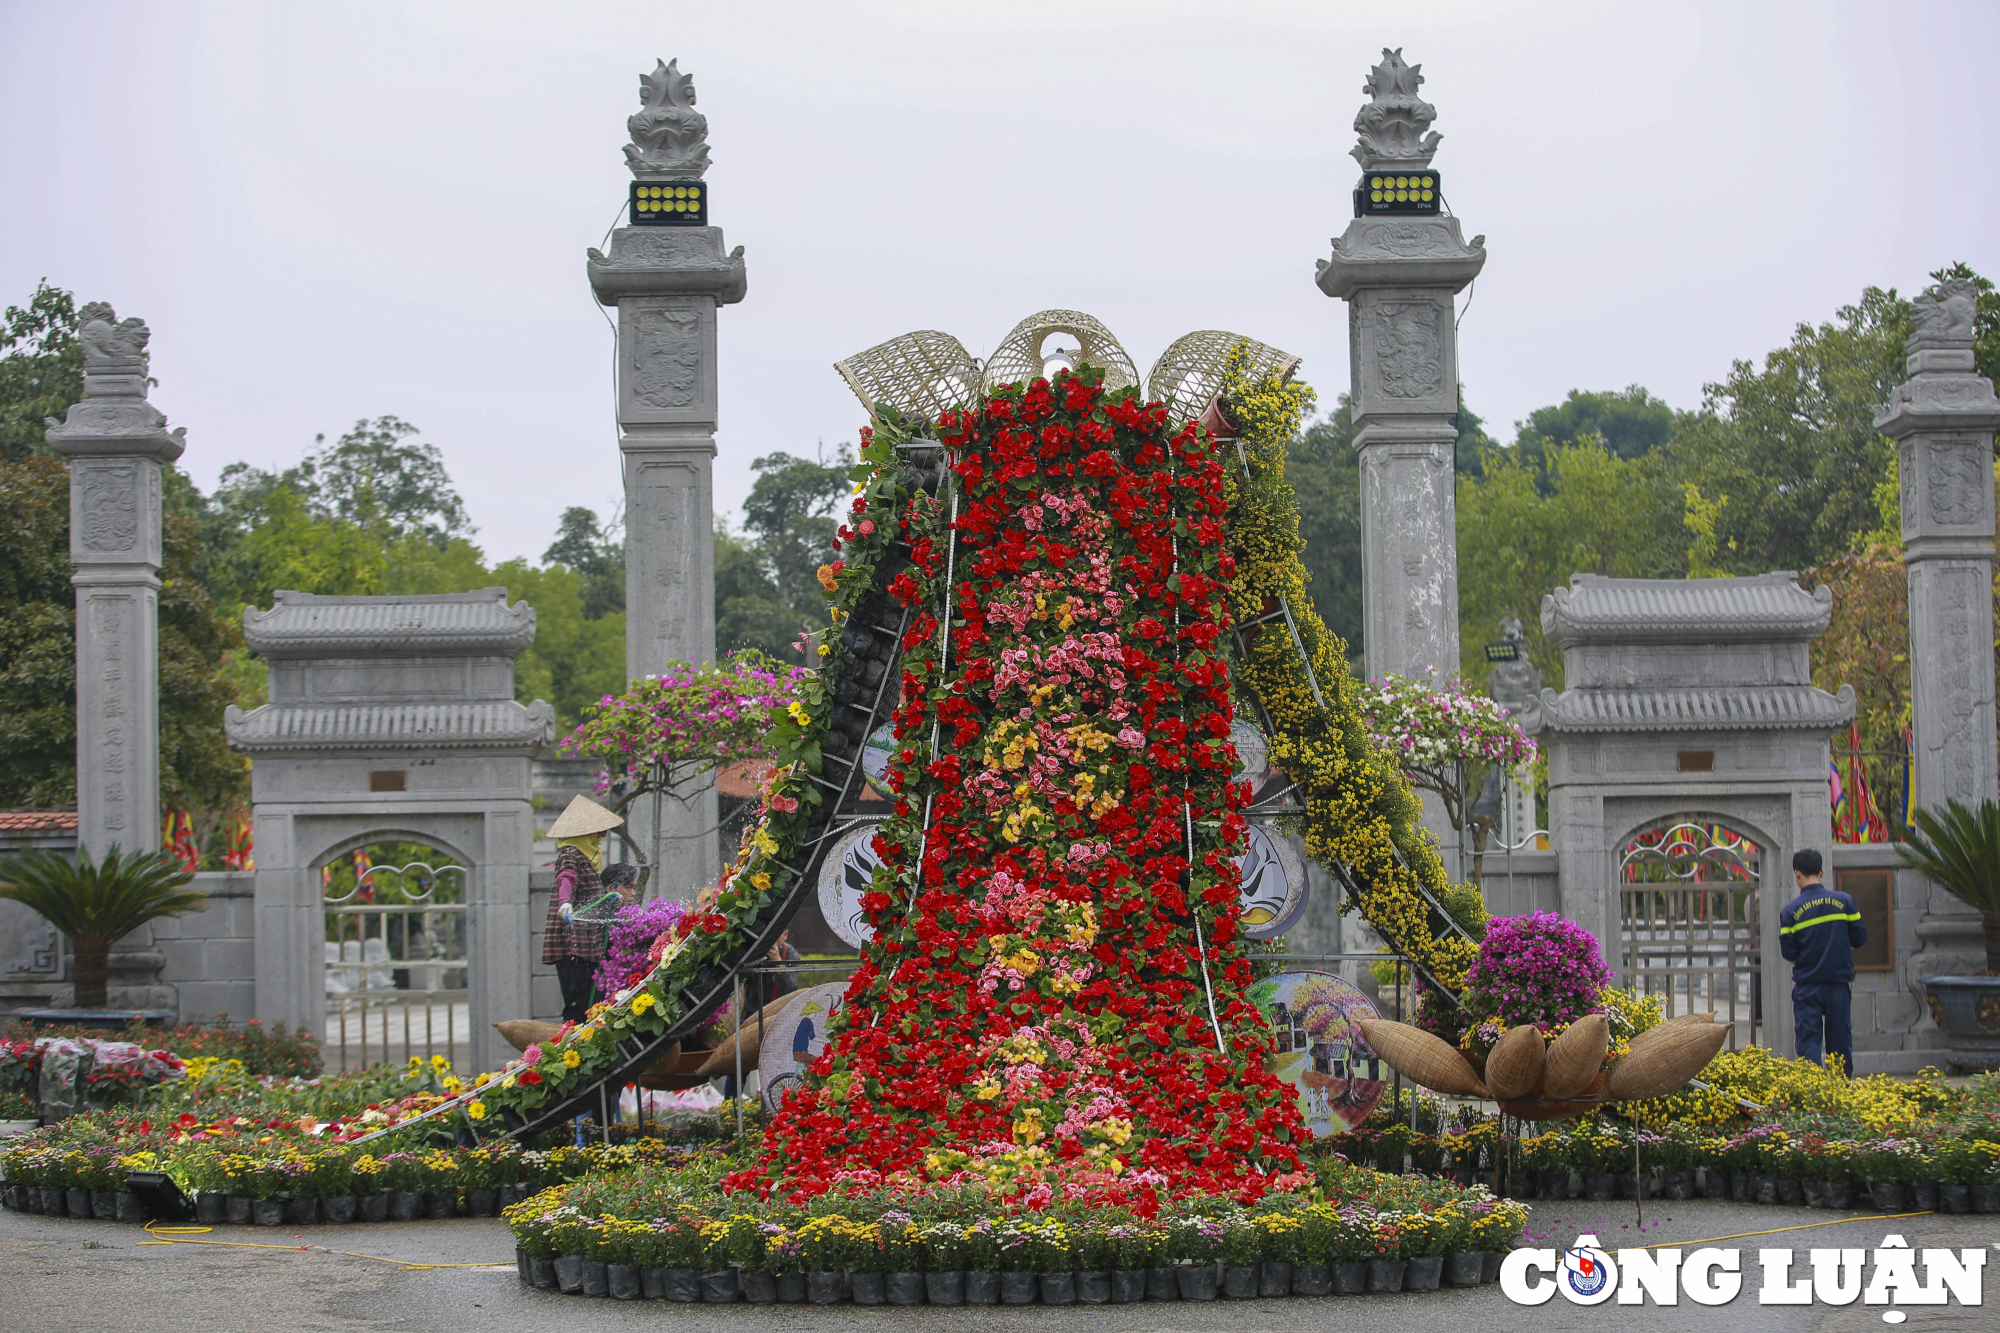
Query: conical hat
583,818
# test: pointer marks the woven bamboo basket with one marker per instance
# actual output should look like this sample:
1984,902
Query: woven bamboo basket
1663,1059
1589,1096
1417,1055
1576,1057
1514,1065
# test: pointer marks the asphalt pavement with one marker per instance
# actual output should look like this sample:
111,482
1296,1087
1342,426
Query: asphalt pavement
64,1276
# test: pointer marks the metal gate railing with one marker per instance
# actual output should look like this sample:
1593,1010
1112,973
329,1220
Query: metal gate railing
396,980
1689,929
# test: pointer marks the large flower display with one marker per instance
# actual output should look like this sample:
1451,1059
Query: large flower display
1055,987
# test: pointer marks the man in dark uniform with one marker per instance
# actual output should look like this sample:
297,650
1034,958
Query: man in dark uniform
1818,932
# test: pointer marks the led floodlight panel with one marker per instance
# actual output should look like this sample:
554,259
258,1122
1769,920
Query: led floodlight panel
669,204
1397,192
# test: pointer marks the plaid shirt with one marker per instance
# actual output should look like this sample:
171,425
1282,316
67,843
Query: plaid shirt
573,939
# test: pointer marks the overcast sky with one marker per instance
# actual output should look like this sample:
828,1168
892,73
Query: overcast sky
328,211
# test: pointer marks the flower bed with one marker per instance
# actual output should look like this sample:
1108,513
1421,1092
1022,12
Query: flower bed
878,1240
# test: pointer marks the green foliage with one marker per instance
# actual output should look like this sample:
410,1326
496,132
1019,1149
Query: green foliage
97,902
1629,422
1600,514
1959,851
596,554
766,593
1325,473
37,636
576,659
748,612
41,368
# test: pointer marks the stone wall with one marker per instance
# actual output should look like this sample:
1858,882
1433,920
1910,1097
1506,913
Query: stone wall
211,955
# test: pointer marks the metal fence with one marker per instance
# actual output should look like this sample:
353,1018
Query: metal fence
1689,929
396,978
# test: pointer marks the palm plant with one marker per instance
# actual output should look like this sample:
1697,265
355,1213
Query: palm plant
97,903
1960,852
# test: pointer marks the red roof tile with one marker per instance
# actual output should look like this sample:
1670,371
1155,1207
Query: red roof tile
37,821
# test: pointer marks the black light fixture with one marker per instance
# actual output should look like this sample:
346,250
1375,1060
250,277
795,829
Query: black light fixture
1384,191
681,203
159,1197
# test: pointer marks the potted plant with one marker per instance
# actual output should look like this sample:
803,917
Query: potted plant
982,1263
823,1249
1242,1246
1195,1243
1094,1257
944,1263
1055,1262
784,1260
17,1115
1135,1249
94,903
1017,1263
1958,850
1312,1250
902,1259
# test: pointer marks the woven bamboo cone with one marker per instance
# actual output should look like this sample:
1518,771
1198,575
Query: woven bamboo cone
1684,1020
1551,1108
1663,1059
1514,1065
1417,1055
1576,1057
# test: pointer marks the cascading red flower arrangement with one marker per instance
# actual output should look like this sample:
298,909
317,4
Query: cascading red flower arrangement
1061,999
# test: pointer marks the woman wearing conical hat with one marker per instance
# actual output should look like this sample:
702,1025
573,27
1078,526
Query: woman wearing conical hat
576,947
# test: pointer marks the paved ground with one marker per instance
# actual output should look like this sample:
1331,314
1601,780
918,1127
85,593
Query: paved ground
62,1276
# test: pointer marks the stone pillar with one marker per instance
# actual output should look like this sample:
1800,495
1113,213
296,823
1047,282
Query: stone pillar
116,443
667,281
1942,420
1399,274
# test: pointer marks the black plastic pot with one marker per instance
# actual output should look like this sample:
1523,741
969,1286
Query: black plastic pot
1599,1186
441,1204
1058,1288
759,1288
78,1203
866,1288
1791,1193
683,1285
1986,1198
301,1212
903,1288
791,1288
1386,1274
1679,1185
404,1206
1423,1274
1813,1193
338,1210
34,1194
1239,1282
541,1274
1489,1266
596,1277
982,1288
1312,1279
1553,1184
521,1265
945,1288
1162,1285
1924,1196
268,1212
1955,1198
372,1208
54,1202
653,1283
826,1288
1839,1194
1742,1189
1714,1184
482,1203
623,1281
1093,1288
1350,1278
239,1209
129,1208
1017,1288
569,1272
719,1287
1274,1278
1891,1196
1197,1281
1128,1286
1462,1269
1769,1189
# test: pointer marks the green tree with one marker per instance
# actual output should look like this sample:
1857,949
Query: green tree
577,658
596,553
765,600
1601,515
1325,472
96,902
748,613
1630,422
41,368
37,636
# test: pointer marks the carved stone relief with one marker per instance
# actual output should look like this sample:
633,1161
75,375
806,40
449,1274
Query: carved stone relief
1409,348
109,507
1955,476
640,247
666,357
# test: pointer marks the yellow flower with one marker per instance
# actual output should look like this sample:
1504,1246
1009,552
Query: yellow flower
642,1002
797,712
825,651
761,880
572,1059
476,1109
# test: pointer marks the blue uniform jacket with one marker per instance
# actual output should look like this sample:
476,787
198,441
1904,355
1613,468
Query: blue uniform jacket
1818,932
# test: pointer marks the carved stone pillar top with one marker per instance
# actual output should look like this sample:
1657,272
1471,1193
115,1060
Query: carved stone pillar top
1942,393
114,419
1401,252
662,261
